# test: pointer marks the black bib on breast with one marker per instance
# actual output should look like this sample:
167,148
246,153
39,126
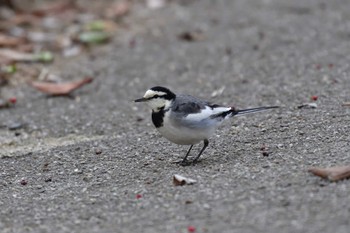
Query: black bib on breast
158,118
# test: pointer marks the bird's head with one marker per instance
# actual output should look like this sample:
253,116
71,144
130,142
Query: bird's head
158,98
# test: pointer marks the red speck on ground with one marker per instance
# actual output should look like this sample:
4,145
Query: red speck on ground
191,229
330,65
12,100
314,97
138,196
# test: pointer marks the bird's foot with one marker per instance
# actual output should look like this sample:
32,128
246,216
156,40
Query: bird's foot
186,163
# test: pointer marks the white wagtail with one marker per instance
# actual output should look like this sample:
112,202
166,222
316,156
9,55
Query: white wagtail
187,120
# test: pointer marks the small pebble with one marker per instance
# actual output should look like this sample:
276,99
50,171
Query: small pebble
265,153
24,182
14,125
98,151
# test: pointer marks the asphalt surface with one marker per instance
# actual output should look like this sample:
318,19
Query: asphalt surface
95,163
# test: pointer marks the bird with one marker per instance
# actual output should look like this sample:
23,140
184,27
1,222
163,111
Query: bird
188,120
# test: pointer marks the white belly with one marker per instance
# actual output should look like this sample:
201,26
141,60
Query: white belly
184,135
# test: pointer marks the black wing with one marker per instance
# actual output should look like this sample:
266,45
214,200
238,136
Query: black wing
187,104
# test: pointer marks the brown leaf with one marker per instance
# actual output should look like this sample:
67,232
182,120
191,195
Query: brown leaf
346,104
192,36
10,40
15,55
22,19
118,9
54,7
5,60
57,89
179,180
332,173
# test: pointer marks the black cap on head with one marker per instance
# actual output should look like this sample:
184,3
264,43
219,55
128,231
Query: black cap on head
169,94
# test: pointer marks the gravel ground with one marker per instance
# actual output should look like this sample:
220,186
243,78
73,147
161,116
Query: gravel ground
95,163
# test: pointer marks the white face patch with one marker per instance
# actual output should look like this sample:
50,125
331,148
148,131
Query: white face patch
150,93
156,103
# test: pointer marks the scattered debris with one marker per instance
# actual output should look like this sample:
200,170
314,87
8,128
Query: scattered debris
72,51
55,7
191,229
314,97
139,118
218,92
48,179
9,69
15,125
192,36
57,89
14,55
33,32
12,100
94,37
308,105
264,151
98,151
118,9
100,25
10,40
187,202
23,182
346,104
8,103
179,180
46,167
332,173
155,4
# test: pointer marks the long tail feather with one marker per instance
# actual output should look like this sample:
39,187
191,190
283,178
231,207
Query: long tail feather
232,112
251,110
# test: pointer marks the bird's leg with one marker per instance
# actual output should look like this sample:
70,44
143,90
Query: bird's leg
184,161
206,143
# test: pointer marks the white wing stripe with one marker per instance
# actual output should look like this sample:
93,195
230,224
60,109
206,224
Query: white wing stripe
205,113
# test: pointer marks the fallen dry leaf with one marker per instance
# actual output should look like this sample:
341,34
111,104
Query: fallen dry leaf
57,89
192,36
155,4
14,55
10,40
346,104
118,9
54,7
5,61
181,180
21,19
332,173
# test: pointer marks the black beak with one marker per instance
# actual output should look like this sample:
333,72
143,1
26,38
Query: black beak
140,100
